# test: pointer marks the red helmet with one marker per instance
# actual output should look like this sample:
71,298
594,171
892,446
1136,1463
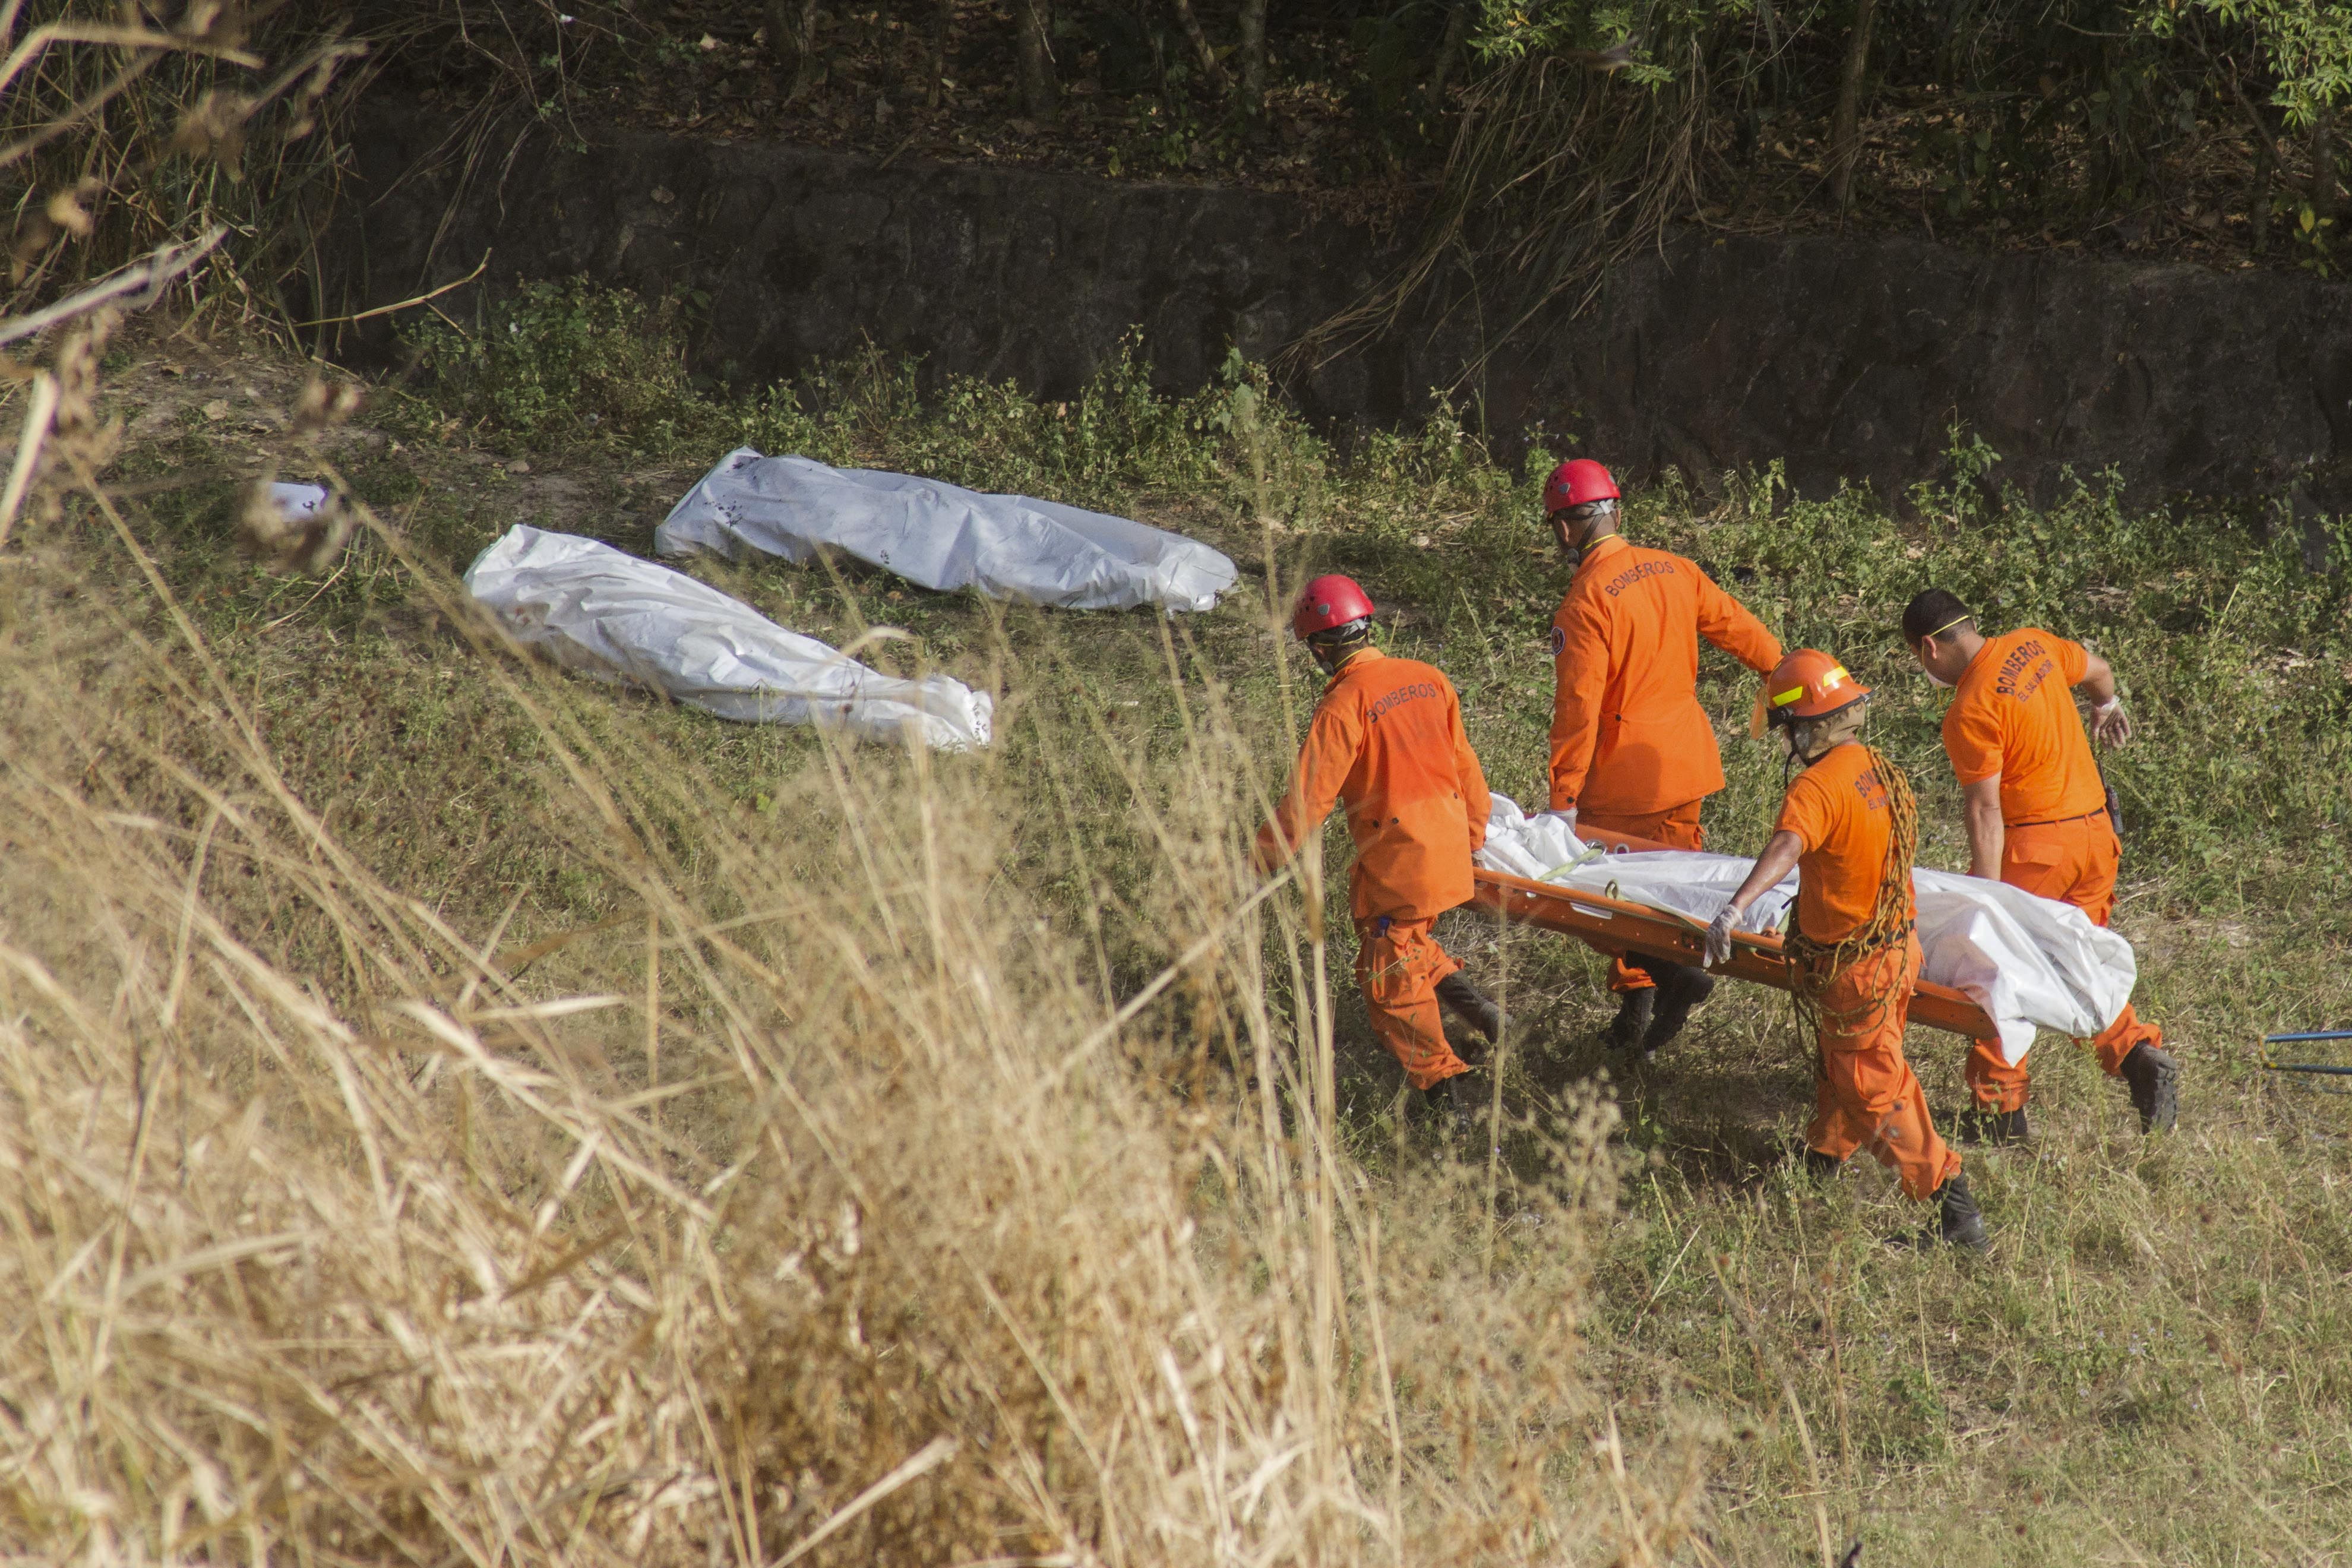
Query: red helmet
1329,603
1576,482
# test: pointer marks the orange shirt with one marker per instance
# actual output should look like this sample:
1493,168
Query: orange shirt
2013,714
1838,809
1387,739
1628,735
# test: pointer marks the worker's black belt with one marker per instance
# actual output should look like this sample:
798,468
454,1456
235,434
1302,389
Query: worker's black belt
2057,821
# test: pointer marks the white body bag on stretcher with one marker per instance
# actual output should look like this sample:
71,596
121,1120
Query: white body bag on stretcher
2029,962
611,617
942,536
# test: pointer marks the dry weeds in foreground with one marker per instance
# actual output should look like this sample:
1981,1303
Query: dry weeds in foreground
818,1213
815,1209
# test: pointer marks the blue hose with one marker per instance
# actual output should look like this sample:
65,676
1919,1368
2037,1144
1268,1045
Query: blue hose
2327,1068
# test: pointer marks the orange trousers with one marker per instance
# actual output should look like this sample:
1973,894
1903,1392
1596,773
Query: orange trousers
2074,862
1676,825
1398,965
1865,1095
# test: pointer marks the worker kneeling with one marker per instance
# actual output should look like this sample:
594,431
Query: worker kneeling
1849,827
1387,742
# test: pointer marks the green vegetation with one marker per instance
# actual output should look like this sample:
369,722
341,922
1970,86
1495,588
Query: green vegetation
941,1202
2231,648
561,360
1540,138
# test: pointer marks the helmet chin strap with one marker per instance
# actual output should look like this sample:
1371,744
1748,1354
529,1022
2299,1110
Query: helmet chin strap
1330,656
1580,541
1583,530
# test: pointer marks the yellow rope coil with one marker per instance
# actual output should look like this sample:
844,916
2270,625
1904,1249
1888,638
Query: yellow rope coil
1815,966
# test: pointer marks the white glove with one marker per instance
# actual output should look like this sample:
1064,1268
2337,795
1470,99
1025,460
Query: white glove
2110,725
1564,818
1718,937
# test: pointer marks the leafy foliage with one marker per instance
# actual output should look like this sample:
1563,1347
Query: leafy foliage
2306,44
556,358
1646,29
1600,122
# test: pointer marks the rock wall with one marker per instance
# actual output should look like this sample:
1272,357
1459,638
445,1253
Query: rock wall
1846,358
1854,357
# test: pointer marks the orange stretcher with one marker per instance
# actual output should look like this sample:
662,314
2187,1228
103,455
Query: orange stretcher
1618,926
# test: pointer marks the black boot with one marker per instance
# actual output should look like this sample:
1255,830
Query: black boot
1683,989
1631,1024
2155,1080
1822,1167
1996,1129
1472,1006
1958,1222
1445,1114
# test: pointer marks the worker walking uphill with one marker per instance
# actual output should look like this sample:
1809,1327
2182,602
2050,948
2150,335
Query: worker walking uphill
1386,741
1631,750
2039,819
1849,827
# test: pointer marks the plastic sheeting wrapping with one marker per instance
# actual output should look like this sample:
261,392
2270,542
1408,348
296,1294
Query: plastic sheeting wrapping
942,536
2028,962
611,617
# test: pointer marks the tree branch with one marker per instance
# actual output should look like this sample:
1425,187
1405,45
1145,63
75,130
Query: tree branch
1210,67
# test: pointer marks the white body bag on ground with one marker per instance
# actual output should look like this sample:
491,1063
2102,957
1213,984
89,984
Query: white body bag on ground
942,536
2028,962
611,617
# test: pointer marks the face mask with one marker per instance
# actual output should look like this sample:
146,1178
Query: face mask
1932,676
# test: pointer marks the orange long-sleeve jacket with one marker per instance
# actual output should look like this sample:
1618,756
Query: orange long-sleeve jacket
1628,735
1387,741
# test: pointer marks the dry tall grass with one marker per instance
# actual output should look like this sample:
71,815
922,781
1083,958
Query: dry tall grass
823,1208
129,128
829,1182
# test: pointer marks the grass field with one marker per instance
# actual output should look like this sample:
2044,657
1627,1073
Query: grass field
457,1114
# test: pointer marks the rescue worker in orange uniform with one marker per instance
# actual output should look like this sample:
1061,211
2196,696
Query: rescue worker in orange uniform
1387,743
1849,827
2038,817
1631,750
